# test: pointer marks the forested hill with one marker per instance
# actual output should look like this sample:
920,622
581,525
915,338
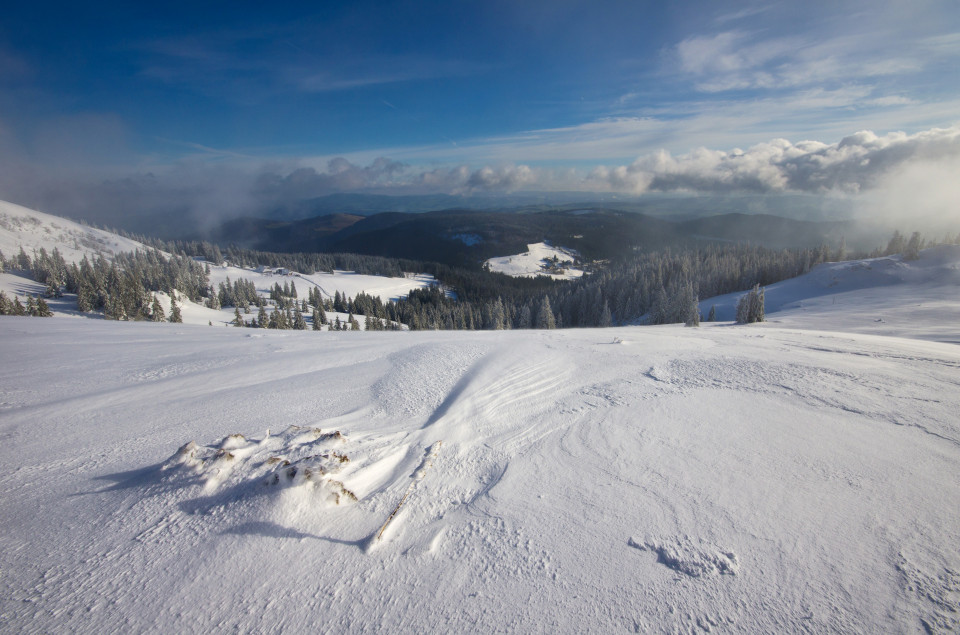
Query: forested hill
466,238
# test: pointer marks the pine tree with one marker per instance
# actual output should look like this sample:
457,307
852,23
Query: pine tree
85,296
17,308
156,311
914,245
750,308
606,319
31,306
113,309
262,321
896,244
175,316
316,320
545,318
43,309
237,318
299,323
53,288
712,316
5,306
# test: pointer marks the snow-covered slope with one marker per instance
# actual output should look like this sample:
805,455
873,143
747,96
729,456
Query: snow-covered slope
747,479
883,296
799,475
531,263
30,229
348,283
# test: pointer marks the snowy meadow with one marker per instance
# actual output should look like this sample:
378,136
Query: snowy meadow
654,479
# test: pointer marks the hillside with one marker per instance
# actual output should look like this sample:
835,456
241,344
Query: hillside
596,233
734,478
884,296
30,229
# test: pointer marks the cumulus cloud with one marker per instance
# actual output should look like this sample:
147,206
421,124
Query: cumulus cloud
340,176
857,163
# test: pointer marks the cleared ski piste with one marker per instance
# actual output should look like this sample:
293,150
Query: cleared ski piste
753,479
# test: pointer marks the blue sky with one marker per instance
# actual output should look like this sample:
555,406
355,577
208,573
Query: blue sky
467,97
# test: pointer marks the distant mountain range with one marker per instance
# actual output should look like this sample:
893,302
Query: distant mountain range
468,237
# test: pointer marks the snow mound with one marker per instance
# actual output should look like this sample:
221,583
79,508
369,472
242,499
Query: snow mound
297,458
541,259
695,559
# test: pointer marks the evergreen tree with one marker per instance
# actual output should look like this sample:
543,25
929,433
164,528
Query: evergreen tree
545,317
17,308
85,296
606,319
237,318
156,311
841,250
22,260
53,288
113,309
915,244
5,306
43,309
175,316
31,306
750,308
299,323
262,321
712,316
316,320
896,244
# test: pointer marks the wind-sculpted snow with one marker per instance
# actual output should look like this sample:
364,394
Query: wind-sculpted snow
683,556
660,479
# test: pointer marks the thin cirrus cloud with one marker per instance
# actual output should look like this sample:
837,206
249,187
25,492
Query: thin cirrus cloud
254,63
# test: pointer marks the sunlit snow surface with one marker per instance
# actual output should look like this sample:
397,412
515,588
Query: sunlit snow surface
31,230
531,263
752,479
798,475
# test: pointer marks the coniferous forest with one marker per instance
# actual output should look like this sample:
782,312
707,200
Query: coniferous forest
654,287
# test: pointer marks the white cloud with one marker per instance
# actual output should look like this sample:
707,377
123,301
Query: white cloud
858,162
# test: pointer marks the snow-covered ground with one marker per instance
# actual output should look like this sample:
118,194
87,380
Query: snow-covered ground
531,263
797,475
30,229
882,296
733,478
347,283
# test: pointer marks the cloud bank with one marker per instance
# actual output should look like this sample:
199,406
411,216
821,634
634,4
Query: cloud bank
887,175
857,163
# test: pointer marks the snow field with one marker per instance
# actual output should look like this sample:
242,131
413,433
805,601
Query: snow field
882,296
652,479
530,263
22,227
